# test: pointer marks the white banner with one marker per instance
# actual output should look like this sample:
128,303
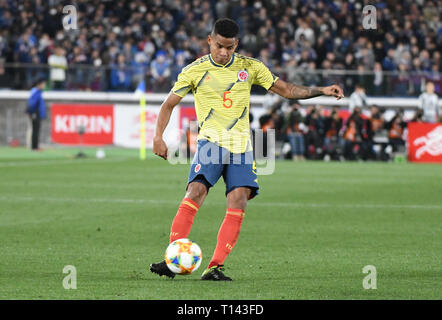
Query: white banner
127,126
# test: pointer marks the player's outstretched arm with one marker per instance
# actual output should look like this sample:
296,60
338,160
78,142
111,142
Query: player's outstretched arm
159,146
293,91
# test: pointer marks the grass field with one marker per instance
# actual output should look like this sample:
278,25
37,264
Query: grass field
308,235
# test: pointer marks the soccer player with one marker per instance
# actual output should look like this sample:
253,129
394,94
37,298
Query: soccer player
428,103
221,82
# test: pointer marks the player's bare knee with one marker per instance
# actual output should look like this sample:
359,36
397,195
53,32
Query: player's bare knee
197,192
237,198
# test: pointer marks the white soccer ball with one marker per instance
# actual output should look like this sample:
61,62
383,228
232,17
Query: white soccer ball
183,256
100,154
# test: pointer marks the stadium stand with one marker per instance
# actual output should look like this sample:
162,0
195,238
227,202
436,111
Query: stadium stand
118,44
125,41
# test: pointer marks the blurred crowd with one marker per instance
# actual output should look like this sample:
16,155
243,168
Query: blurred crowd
363,132
130,41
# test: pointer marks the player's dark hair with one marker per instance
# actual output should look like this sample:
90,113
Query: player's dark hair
226,27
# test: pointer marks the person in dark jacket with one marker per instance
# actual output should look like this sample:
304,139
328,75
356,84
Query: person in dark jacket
36,111
333,141
396,127
313,137
295,133
353,134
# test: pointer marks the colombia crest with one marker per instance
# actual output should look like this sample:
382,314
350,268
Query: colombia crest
243,75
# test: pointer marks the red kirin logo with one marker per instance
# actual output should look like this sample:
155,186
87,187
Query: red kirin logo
431,143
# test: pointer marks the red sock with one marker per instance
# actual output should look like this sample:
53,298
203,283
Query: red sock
227,236
182,223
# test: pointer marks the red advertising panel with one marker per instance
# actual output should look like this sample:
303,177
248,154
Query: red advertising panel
97,120
425,142
187,114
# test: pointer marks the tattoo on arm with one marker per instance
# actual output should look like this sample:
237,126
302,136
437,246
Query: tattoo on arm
302,92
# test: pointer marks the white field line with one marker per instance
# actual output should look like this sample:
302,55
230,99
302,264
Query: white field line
13,198
54,162
77,185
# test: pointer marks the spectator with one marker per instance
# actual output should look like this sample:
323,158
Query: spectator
401,82
180,63
352,134
304,30
295,132
376,119
58,65
140,66
96,75
160,69
357,98
416,77
350,64
366,148
395,129
378,80
36,111
78,74
388,63
120,75
32,73
425,61
313,136
333,141
429,104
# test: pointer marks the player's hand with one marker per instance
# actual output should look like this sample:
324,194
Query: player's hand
160,147
334,91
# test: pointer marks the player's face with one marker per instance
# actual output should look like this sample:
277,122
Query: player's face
430,87
222,48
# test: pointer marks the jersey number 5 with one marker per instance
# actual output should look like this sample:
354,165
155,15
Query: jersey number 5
227,102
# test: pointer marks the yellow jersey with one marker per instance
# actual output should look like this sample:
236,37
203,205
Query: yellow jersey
222,97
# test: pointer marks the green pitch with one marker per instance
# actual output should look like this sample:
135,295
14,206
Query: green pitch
308,235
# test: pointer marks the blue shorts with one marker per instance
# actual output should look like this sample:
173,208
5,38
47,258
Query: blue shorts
212,161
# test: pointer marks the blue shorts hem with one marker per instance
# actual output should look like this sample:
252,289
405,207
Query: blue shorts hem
201,179
253,194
